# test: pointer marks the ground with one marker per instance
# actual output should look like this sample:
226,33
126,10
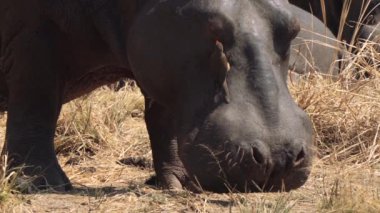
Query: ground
102,145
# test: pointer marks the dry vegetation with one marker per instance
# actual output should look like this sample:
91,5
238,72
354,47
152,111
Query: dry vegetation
97,133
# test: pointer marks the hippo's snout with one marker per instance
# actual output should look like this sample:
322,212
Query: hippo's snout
245,154
263,169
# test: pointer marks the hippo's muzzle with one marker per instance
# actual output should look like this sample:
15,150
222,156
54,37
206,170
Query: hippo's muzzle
248,169
248,160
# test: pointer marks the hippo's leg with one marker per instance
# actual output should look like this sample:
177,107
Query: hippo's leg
170,171
35,94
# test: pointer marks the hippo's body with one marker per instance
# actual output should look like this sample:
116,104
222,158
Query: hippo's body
315,48
3,94
371,32
51,53
357,13
213,72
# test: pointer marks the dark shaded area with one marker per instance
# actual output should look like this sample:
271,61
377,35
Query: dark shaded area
152,181
110,191
140,162
332,12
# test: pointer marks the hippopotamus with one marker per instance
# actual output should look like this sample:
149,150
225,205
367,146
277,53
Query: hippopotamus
3,91
354,14
371,32
213,73
315,48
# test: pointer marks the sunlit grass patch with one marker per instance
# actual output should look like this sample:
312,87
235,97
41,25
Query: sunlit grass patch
7,181
12,182
88,124
345,111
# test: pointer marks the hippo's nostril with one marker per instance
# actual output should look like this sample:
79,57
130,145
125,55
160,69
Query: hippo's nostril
300,158
257,156
255,163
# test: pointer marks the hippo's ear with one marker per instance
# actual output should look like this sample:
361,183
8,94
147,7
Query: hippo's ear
220,29
219,67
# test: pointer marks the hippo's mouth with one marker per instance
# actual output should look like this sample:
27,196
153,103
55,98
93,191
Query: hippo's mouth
218,178
214,169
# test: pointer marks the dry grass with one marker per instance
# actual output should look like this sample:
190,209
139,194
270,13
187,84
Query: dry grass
96,131
91,123
7,181
345,112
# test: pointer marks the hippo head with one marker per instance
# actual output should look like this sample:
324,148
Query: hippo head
220,68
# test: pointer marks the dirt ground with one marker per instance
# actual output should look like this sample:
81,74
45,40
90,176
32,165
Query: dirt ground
103,185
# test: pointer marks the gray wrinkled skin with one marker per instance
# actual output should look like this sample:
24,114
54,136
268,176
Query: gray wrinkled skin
213,73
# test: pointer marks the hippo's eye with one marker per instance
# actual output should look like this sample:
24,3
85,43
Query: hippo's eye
294,32
282,40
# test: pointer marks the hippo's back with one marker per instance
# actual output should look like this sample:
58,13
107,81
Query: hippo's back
315,48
